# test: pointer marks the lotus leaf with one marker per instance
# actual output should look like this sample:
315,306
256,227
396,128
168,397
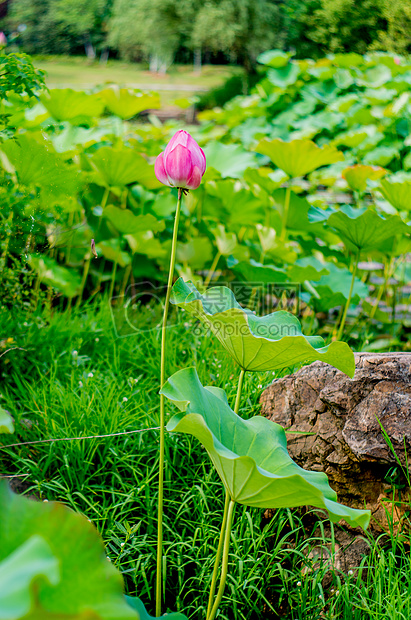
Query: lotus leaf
53,565
126,222
363,229
111,249
229,159
381,156
284,76
76,106
6,422
397,193
37,165
274,58
52,274
136,604
257,343
196,252
298,157
254,272
121,167
333,288
250,456
357,176
126,103
226,242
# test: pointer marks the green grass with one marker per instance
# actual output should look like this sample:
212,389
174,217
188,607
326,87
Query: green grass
179,82
48,389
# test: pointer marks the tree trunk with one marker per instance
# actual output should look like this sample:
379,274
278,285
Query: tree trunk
197,61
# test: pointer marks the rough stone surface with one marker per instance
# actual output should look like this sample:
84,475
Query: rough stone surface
345,415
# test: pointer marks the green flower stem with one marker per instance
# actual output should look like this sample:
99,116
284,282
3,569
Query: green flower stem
125,280
70,239
84,278
224,570
347,305
162,402
239,389
113,280
212,269
218,555
103,206
285,213
6,246
227,503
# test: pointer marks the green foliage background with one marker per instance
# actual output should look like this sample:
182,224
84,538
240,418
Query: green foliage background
237,29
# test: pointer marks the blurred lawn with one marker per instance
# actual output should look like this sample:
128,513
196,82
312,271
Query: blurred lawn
180,81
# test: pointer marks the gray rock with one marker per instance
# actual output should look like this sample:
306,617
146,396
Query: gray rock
345,416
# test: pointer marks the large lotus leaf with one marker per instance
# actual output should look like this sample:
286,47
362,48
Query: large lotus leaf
363,229
357,176
126,103
6,422
325,92
231,160
196,252
68,140
136,604
343,78
111,249
258,343
381,156
322,71
284,76
350,138
53,565
121,167
65,104
264,179
250,456
241,205
375,77
226,241
52,274
297,217
307,268
22,573
309,126
397,193
146,243
298,157
37,165
347,60
274,58
258,274
333,288
126,222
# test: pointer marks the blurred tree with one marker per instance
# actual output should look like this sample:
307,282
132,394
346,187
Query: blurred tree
86,20
149,28
39,31
397,37
240,28
335,25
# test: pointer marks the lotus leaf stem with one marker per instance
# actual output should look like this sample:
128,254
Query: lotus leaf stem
347,305
218,555
285,213
224,569
227,503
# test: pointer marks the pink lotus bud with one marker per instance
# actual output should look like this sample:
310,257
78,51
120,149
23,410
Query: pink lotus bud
3,39
182,163
397,60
